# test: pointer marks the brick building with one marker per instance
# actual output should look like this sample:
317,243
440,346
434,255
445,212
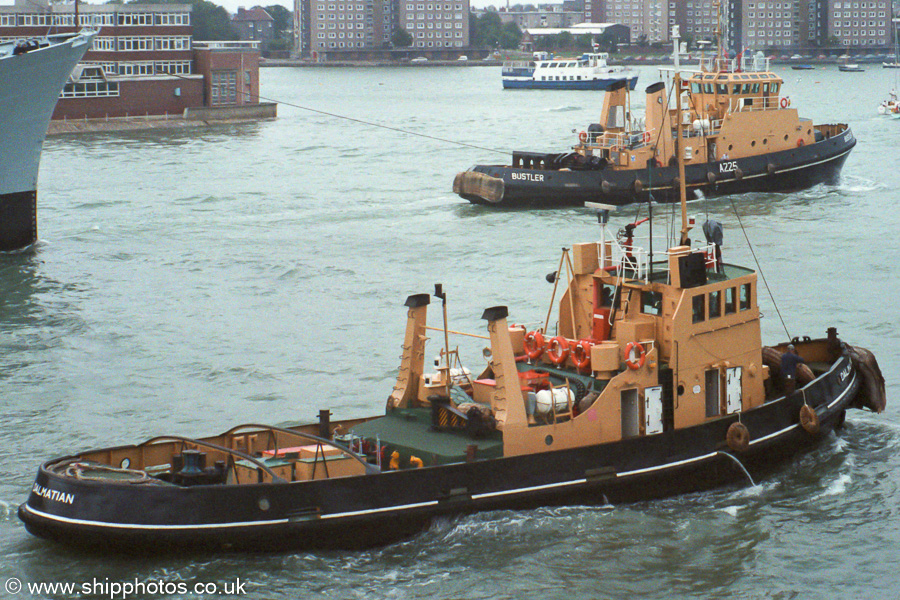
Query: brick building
142,61
254,24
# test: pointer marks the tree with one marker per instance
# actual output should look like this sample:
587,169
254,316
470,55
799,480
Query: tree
211,22
642,41
283,27
487,30
510,36
400,38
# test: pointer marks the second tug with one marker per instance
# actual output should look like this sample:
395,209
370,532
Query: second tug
739,134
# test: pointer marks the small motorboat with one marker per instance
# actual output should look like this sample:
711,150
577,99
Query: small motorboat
850,68
803,67
891,106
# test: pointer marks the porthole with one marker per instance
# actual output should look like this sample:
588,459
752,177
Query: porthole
765,141
126,462
263,504
752,143
730,146
548,440
785,137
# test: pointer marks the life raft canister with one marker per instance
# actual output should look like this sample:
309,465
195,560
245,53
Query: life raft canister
581,354
558,350
534,344
635,355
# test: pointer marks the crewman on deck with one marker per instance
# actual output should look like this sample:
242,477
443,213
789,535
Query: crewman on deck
789,362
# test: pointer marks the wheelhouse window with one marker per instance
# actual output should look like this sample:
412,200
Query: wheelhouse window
730,301
699,308
651,302
715,304
745,296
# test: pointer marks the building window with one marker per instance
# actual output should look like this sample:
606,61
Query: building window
136,19
90,89
224,87
173,18
135,43
136,68
40,20
104,44
173,43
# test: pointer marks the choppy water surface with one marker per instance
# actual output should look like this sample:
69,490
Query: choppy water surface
187,281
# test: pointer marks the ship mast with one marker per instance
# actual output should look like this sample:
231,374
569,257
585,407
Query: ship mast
679,154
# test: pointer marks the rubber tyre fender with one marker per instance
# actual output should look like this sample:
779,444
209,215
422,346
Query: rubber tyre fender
738,437
809,420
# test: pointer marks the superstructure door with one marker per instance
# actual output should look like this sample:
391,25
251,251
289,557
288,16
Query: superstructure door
733,390
653,410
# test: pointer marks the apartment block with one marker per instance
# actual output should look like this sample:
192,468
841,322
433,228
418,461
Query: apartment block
857,23
648,18
772,24
435,24
342,25
542,18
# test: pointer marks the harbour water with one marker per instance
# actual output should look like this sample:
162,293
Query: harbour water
188,281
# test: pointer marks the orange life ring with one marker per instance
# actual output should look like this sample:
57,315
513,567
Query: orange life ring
799,142
583,137
558,350
646,137
534,344
635,363
581,354
785,102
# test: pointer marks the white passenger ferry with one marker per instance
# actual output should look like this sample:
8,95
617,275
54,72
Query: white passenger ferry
590,71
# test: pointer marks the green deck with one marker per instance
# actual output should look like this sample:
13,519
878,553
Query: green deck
409,432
